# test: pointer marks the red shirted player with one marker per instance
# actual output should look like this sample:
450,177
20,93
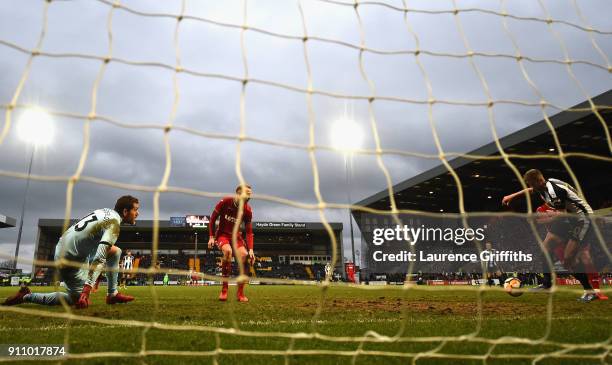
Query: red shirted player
227,212
554,241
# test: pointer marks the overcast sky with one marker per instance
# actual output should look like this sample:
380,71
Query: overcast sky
141,95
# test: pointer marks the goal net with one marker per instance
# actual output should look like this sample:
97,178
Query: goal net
177,102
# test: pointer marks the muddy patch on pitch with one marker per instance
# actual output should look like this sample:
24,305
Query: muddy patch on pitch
430,307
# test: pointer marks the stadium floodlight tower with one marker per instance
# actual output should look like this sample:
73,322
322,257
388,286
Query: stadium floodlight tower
35,127
347,137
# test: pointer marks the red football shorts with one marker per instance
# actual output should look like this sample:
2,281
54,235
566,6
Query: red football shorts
227,240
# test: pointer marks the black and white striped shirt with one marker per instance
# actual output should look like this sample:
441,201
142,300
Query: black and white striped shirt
562,196
128,262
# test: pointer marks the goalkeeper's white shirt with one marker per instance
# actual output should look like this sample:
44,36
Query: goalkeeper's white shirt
82,238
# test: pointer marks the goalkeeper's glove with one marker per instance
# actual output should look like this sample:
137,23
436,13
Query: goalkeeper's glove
84,298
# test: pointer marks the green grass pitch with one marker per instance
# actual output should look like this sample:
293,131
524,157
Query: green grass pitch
183,317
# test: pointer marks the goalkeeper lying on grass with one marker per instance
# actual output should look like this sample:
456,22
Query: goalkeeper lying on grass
95,235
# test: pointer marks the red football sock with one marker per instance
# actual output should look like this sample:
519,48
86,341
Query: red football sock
594,279
559,251
226,270
593,275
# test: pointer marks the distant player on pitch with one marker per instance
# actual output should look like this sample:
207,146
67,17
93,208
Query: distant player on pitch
329,272
95,234
227,211
127,264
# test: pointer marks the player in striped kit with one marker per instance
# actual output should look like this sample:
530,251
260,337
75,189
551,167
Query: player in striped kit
493,269
227,210
558,229
127,264
94,234
329,272
563,197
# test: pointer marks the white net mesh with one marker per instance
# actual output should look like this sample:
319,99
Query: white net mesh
425,65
